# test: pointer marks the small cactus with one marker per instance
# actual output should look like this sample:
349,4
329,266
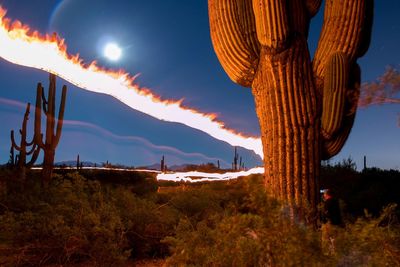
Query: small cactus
162,164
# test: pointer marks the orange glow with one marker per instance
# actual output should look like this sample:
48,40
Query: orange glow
22,46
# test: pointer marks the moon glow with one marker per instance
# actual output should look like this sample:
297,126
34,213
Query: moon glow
112,51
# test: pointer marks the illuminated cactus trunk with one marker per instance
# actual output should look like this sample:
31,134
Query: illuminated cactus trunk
52,136
305,107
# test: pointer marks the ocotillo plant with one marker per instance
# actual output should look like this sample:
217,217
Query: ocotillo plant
305,107
34,150
52,136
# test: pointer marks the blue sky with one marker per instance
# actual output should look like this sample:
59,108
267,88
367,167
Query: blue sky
168,43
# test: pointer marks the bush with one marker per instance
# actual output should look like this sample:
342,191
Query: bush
72,221
252,232
80,220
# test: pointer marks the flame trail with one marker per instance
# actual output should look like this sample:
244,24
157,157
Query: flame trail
191,177
24,47
197,177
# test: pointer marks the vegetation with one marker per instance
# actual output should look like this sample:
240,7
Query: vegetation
53,132
111,218
20,160
305,107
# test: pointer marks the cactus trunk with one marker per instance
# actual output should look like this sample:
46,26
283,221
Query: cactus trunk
47,170
285,101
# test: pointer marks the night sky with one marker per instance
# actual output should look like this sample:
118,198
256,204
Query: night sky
168,43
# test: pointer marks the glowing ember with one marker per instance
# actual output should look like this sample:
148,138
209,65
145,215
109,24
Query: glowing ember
28,48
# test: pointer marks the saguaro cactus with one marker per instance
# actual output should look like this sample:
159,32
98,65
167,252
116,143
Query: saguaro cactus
305,107
52,136
235,160
20,161
162,164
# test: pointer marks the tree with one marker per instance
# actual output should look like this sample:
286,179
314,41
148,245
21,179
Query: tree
305,107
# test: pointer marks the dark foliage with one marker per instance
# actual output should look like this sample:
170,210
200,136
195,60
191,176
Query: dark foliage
106,218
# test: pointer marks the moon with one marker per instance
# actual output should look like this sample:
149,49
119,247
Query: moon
112,51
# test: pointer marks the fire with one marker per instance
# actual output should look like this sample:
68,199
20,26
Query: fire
20,45
197,177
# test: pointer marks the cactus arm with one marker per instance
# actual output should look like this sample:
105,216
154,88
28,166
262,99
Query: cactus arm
366,29
341,32
333,143
34,157
60,117
30,143
34,146
272,23
335,86
38,136
50,116
45,103
13,143
313,7
234,38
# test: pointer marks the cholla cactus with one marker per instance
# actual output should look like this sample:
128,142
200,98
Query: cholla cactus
305,107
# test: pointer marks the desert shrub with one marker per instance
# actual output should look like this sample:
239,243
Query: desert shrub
371,241
260,236
255,230
73,220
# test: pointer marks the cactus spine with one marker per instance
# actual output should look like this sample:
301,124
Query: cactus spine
305,107
20,160
52,136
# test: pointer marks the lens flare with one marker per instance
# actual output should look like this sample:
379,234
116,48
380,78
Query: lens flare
20,45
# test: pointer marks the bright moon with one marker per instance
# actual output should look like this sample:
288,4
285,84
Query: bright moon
112,51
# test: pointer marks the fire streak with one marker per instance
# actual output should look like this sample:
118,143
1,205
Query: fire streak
197,177
190,177
24,47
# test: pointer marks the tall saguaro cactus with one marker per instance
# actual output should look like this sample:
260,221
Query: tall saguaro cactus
305,107
21,162
52,134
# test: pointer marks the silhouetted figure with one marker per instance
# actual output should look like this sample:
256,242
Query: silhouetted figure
332,219
331,209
